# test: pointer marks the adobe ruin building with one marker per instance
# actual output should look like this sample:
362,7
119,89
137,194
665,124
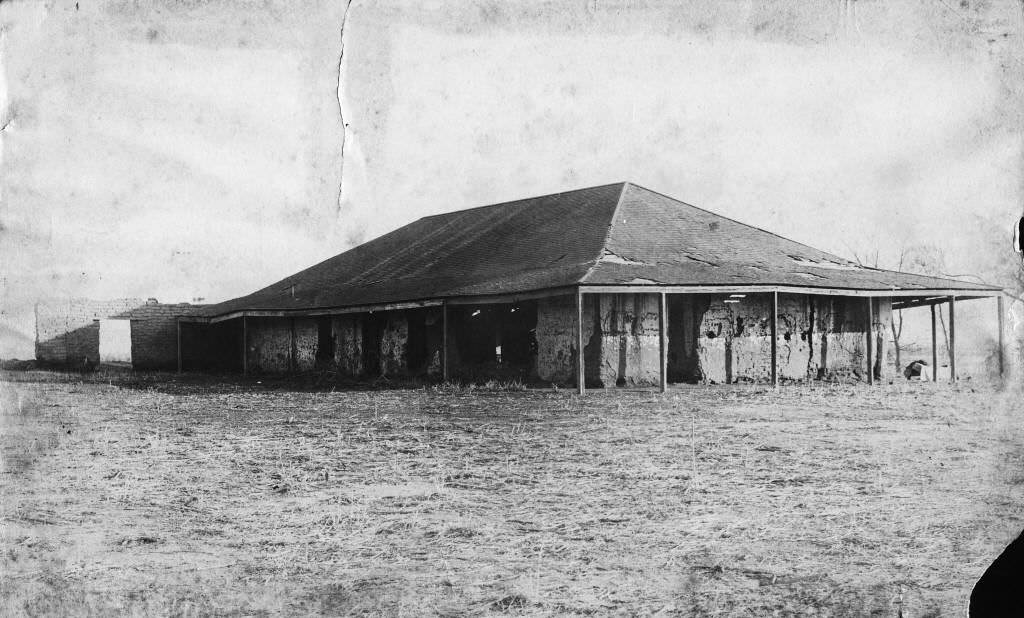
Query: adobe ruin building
652,290
81,333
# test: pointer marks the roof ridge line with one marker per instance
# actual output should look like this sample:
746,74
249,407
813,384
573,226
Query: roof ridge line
608,232
520,199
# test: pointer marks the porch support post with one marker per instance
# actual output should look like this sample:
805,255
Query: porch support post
178,322
245,347
870,347
580,383
1002,349
663,340
444,340
952,339
291,346
935,348
774,325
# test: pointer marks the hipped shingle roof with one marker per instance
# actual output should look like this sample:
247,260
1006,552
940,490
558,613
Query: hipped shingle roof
619,234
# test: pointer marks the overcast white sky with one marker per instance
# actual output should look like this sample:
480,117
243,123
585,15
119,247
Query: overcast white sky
174,150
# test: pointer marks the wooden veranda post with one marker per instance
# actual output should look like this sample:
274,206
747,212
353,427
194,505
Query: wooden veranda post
663,341
1001,352
935,349
774,326
178,322
869,349
952,339
245,345
292,361
444,340
580,384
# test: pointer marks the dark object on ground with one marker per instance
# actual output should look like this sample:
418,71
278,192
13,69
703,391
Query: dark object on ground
1000,592
914,369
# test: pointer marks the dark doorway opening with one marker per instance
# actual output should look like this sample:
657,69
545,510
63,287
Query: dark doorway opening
498,340
416,352
373,328
212,347
685,313
324,343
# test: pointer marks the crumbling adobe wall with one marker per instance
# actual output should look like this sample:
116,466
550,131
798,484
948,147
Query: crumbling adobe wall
556,337
735,338
68,331
620,334
347,331
795,335
842,339
394,339
268,345
817,337
281,345
734,341
627,331
306,341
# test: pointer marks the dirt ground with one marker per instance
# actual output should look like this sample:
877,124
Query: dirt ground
154,495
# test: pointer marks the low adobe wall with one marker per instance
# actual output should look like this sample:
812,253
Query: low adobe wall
710,340
620,335
155,334
818,337
68,331
556,338
354,345
347,331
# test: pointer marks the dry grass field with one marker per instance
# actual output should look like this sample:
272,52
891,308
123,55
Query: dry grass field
154,495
